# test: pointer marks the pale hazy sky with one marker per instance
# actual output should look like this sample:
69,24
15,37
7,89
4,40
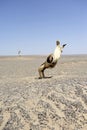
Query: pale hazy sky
33,26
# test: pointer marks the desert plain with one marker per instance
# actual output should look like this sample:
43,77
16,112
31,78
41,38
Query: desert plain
56,103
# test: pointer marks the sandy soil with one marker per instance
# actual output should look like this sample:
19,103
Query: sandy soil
29,103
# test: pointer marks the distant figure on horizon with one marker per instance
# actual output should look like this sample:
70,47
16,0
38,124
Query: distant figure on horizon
51,60
19,53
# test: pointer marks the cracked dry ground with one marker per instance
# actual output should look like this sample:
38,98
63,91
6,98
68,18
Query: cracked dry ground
57,103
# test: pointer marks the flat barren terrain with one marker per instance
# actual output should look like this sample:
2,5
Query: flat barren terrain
29,103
